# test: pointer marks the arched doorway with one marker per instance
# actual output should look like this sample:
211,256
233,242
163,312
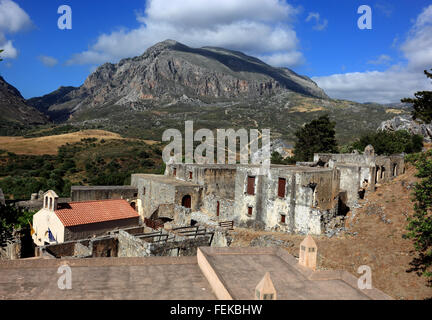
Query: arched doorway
187,201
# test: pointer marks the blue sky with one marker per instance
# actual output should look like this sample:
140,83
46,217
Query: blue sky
317,38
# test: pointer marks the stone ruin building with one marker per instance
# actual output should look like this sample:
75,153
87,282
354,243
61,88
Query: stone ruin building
308,198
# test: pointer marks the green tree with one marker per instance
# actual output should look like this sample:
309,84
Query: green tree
422,103
276,158
1,52
420,224
13,218
388,143
316,136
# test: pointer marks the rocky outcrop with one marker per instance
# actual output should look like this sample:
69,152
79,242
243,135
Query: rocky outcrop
13,107
408,124
170,70
270,241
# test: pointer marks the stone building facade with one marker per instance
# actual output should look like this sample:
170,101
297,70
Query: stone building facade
361,173
88,193
305,198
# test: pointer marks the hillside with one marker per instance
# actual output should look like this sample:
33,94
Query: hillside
374,237
83,158
14,110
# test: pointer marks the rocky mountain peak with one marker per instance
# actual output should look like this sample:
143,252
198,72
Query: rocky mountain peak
169,70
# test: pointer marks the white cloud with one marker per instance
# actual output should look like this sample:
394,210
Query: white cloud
397,81
258,27
12,19
48,61
320,24
292,58
382,59
373,86
7,46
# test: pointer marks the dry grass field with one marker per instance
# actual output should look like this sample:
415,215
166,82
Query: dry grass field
50,144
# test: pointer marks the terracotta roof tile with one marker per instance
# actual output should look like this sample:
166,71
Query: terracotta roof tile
86,212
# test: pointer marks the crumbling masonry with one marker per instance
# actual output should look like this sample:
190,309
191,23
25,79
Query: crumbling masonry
307,198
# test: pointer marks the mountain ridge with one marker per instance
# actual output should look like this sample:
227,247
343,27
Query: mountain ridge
14,108
169,70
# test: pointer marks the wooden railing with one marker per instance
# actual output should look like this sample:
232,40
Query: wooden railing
229,225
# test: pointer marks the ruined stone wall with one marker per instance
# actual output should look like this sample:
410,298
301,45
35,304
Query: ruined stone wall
389,167
97,229
309,194
350,182
182,216
226,207
130,246
80,248
152,194
354,158
219,182
194,192
155,194
107,247
86,193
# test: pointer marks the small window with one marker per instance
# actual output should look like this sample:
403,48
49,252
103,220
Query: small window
268,296
190,175
282,218
144,190
217,209
311,249
281,187
135,195
303,248
250,209
251,186
175,172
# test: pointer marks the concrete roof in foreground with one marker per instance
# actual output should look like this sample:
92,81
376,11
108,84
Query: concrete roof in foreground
216,273
150,278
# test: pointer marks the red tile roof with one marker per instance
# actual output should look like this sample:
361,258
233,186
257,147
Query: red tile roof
85,212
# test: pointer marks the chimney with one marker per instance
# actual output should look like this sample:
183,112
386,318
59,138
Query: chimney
308,253
265,289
